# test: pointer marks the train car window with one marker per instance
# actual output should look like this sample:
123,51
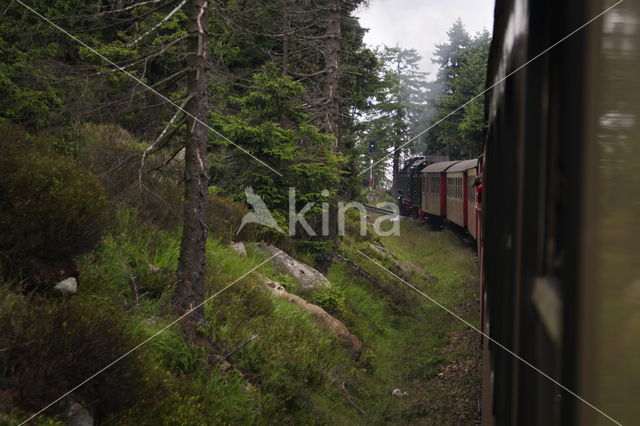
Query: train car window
435,185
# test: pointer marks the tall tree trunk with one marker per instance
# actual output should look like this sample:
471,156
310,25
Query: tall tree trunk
286,27
397,148
331,119
399,129
189,289
396,165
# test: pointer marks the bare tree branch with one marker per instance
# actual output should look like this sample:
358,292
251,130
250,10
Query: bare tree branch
160,138
124,9
165,19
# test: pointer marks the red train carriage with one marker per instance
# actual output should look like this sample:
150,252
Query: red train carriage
459,210
434,188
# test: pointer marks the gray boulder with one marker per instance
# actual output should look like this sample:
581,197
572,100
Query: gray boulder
307,277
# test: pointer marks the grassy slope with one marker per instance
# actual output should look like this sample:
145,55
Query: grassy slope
294,372
450,395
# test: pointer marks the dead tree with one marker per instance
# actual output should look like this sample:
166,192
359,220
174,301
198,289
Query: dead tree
189,290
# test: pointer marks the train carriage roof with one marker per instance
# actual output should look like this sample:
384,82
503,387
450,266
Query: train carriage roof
463,166
438,167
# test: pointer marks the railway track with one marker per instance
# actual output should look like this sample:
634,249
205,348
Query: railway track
379,210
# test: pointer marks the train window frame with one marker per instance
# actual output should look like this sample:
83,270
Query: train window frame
435,185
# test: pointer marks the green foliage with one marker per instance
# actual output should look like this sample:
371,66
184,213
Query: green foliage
122,266
461,77
293,366
331,299
288,282
174,354
16,416
202,398
35,104
353,225
224,217
399,108
115,156
294,371
289,361
272,125
51,207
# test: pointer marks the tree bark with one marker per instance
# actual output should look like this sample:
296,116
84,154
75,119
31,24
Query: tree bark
331,122
331,119
189,289
399,128
396,166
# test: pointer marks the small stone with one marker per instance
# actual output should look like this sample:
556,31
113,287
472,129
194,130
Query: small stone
239,248
399,392
67,286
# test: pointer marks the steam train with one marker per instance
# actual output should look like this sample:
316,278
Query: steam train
443,191
560,216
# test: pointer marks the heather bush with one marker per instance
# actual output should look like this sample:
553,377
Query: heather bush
50,208
50,347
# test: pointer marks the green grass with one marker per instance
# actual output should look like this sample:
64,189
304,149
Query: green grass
294,371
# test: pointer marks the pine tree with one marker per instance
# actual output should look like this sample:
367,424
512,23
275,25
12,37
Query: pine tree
461,76
399,105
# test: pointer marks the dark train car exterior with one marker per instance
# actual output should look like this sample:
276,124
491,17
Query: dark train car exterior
561,214
434,188
473,212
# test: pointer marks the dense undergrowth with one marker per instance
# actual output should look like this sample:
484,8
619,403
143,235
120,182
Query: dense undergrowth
285,367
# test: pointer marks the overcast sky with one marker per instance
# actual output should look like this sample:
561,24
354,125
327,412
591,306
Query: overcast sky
421,24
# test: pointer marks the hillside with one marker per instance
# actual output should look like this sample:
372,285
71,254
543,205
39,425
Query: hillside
267,359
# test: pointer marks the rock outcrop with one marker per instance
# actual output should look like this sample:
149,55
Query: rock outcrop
307,277
335,326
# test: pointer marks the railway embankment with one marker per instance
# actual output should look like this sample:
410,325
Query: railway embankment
405,359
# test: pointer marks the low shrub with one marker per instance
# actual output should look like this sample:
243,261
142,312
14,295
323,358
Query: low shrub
115,156
134,262
49,348
331,299
50,208
224,217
